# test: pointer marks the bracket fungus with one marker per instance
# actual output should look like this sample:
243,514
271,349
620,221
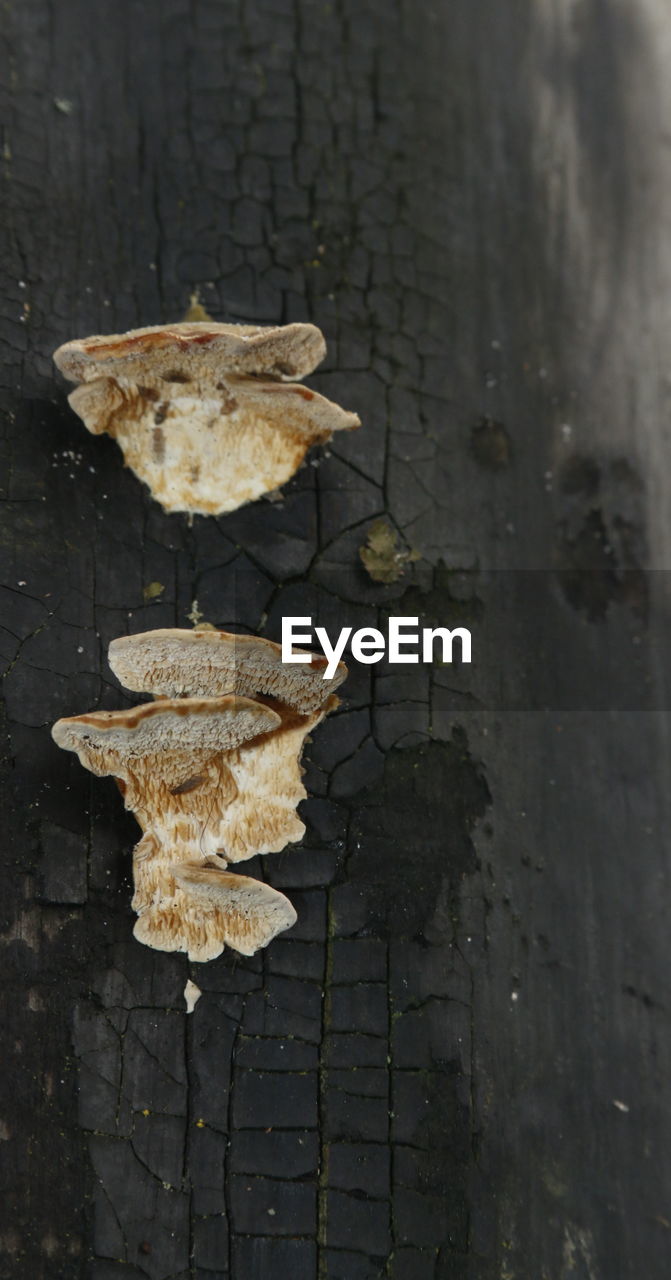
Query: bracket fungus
210,416
176,663
212,779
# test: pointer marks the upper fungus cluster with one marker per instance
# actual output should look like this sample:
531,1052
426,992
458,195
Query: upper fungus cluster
209,415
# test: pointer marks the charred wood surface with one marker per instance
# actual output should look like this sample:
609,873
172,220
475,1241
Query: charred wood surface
457,1064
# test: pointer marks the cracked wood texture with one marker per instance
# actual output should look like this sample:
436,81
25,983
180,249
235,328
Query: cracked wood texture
456,1065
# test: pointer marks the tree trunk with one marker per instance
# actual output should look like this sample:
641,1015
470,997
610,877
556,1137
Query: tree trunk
456,1064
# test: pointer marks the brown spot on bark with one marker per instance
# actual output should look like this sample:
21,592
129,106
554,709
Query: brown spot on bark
228,400
598,566
189,784
491,445
158,444
161,414
383,555
580,475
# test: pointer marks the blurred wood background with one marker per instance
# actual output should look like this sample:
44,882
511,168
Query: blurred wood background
457,1065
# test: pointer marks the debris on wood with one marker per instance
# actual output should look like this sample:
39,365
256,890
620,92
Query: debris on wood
195,312
491,445
383,555
195,615
192,995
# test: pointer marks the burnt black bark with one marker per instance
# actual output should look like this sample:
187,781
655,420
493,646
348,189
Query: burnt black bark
456,1064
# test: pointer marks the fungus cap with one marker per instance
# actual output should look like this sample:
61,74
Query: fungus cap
254,912
182,725
210,881
285,351
204,413
211,909
173,663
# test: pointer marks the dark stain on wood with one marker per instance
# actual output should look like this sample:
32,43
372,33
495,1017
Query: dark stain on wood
491,445
472,978
158,444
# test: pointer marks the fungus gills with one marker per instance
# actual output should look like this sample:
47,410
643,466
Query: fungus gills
212,779
208,415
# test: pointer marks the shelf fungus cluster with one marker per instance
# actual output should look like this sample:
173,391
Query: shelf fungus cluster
211,770
209,415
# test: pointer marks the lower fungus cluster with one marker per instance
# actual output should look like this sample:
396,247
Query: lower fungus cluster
211,770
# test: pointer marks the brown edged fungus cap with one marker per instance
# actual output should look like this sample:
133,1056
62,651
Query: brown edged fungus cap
202,411
181,726
202,908
173,663
286,351
204,775
252,912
